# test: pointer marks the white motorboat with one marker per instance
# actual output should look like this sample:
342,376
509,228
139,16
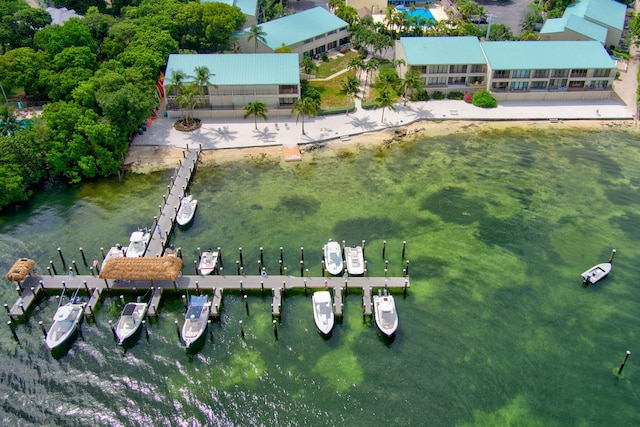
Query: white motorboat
323,312
354,257
138,243
66,321
195,322
187,210
598,272
116,251
208,262
333,258
130,321
386,316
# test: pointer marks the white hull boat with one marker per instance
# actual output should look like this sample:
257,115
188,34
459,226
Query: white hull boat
598,272
130,321
195,322
208,262
187,210
66,321
386,316
138,243
354,257
323,312
333,258
116,251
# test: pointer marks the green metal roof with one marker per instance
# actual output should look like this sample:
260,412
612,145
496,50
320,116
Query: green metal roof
587,28
442,50
239,69
248,7
583,15
300,26
542,55
609,12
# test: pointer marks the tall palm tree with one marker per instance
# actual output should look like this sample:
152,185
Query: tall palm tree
350,87
188,100
256,109
257,35
202,75
412,82
176,82
306,106
308,66
385,99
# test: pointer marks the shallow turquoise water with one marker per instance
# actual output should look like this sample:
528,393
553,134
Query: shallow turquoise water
497,328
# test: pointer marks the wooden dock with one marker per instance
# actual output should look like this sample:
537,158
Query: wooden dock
163,224
34,287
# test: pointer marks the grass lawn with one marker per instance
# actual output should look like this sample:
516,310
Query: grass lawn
325,69
331,92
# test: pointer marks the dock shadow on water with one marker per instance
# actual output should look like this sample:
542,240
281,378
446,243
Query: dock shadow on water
499,225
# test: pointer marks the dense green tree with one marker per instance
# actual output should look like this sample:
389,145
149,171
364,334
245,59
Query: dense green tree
308,66
68,69
208,27
20,68
55,38
256,109
18,29
80,6
118,38
98,24
148,52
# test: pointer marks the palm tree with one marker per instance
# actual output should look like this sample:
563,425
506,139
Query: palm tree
8,122
258,35
201,77
351,88
188,100
385,100
176,82
306,106
308,66
412,81
356,64
256,109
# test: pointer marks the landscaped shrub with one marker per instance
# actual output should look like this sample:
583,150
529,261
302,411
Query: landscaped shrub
455,95
483,99
325,57
369,105
421,95
437,95
337,110
467,97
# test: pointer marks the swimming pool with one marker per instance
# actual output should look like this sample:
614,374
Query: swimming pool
418,13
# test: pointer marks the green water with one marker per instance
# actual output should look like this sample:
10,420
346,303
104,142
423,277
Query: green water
496,329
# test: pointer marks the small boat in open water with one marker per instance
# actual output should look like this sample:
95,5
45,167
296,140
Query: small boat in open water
66,322
208,262
130,321
195,322
386,315
187,210
333,258
354,257
138,243
323,312
598,272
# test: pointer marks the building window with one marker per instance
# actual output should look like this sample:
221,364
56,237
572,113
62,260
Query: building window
558,84
477,68
331,32
457,69
579,73
599,84
422,69
283,102
520,74
457,81
501,74
438,69
538,85
288,89
332,45
320,49
519,86
499,86
576,84
307,41
560,73
540,74
320,37
602,72
437,81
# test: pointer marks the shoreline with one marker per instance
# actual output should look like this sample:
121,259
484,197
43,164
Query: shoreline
151,158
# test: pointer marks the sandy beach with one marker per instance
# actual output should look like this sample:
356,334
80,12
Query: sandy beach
148,158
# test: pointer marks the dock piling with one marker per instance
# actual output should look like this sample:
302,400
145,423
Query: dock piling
210,330
275,328
75,267
175,322
42,328
102,253
86,287
53,267
407,268
197,288
281,254
146,331
261,255
92,272
241,330
113,331
184,302
13,331
64,264
626,356
384,247
84,259
301,268
404,247
240,255
6,307
220,256
302,253
50,272
18,290
246,304
122,299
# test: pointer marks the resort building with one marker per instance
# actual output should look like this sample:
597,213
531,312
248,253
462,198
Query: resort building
250,8
236,80
307,33
510,70
445,64
600,20
548,70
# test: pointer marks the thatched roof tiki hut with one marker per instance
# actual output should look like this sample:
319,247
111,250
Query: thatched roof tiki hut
20,270
143,268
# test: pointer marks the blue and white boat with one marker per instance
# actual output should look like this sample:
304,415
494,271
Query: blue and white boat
333,258
195,322
66,322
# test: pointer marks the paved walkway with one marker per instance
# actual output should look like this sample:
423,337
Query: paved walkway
238,133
